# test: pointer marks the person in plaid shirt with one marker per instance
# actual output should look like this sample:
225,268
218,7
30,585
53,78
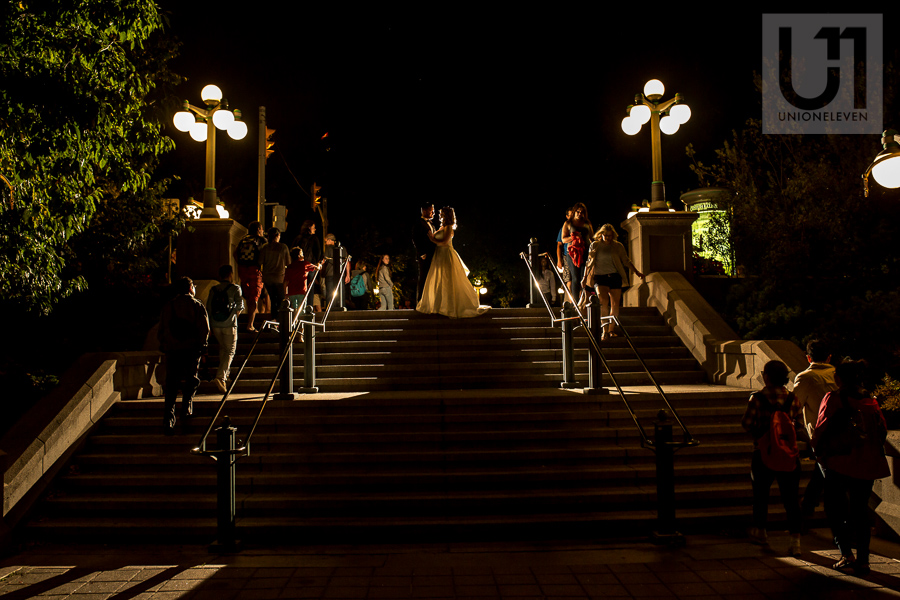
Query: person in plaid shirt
756,421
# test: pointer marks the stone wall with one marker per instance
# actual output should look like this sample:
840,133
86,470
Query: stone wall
726,358
52,426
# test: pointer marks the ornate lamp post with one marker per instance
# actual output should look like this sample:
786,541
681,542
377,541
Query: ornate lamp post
202,127
666,116
885,169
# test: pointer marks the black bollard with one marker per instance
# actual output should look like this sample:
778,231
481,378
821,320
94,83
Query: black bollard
568,354
665,481
285,320
225,483
535,260
309,354
595,365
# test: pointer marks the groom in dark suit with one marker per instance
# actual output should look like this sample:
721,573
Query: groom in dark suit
421,237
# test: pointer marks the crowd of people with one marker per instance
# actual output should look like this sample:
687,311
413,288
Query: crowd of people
844,433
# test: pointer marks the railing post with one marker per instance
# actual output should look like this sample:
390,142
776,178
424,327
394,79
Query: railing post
309,354
342,256
225,483
665,481
568,356
535,261
595,365
285,320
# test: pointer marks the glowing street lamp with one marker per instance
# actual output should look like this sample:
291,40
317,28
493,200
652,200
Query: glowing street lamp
201,124
666,117
885,169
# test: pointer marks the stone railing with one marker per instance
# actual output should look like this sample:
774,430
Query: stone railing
726,358
50,429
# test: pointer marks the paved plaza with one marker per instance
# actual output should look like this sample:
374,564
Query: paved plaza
707,567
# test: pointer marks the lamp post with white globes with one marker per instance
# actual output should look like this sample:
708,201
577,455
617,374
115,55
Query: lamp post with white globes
202,123
666,116
885,169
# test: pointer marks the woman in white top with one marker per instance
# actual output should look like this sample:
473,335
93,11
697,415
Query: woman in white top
605,269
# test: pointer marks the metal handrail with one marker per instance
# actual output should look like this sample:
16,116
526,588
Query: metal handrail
645,440
243,449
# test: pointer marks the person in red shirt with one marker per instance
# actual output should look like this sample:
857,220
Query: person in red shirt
295,279
850,469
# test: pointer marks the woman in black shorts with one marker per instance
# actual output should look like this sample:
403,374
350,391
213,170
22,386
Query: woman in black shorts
606,266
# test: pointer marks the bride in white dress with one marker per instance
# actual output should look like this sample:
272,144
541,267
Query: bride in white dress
447,288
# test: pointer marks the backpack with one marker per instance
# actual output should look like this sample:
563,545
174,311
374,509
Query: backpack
357,286
848,429
220,305
778,445
248,251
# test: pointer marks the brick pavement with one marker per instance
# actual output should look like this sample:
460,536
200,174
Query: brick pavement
707,568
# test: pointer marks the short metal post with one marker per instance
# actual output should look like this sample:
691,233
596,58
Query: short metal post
568,358
665,481
309,354
285,320
595,365
225,483
535,260
342,255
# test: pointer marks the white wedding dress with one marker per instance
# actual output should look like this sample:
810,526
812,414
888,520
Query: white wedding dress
448,290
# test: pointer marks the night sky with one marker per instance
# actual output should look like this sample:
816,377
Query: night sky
509,116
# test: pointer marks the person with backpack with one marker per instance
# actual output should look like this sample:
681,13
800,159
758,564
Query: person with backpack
849,443
248,254
223,306
360,286
769,418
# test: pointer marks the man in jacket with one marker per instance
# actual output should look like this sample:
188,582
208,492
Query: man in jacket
183,333
810,386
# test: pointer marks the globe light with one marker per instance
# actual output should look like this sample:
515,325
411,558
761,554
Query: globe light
211,93
483,291
630,126
654,87
887,172
183,120
681,113
668,125
237,130
640,113
198,131
223,119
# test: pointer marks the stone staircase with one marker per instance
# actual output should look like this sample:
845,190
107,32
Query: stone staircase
505,348
490,448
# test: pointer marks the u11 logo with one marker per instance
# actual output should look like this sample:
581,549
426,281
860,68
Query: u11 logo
822,74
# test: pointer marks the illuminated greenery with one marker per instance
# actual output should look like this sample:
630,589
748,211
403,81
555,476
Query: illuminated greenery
81,88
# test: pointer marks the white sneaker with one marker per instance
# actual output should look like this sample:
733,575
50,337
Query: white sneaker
758,536
794,549
221,385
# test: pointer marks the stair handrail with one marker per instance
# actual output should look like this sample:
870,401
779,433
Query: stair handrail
244,446
200,448
646,442
689,439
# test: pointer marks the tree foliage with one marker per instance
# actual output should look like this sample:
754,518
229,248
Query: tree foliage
818,258
81,90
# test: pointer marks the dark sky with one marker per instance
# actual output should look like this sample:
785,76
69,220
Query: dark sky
509,116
